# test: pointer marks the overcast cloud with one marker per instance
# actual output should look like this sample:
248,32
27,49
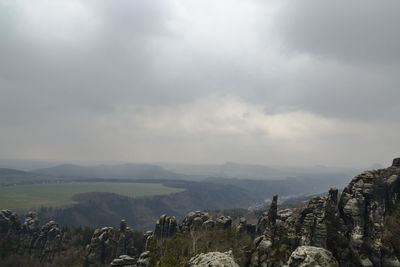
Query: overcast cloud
269,82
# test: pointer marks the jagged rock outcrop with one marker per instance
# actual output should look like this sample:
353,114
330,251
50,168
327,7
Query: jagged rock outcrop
148,236
267,225
102,247
363,206
223,222
213,259
108,243
247,228
9,222
10,229
305,256
283,215
31,223
29,238
48,242
356,227
195,221
312,224
267,221
165,227
350,224
144,259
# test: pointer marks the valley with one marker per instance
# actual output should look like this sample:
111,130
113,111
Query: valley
32,196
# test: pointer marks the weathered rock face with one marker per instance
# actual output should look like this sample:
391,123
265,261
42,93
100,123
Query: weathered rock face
144,259
363,206
48,242
312,224
195,221
311,256
211,259
247,228
9,222
268,220
108,243
29,238
351,225
165,227
147,238
224,222
267,225
31,224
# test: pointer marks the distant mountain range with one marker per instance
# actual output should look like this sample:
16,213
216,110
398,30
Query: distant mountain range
122,171
229,170
172,171
252,171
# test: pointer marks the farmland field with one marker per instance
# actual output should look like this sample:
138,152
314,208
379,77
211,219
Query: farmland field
23,197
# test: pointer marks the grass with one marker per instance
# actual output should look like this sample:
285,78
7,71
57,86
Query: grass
11,179
23,197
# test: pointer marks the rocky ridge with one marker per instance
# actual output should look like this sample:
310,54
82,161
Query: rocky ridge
350,224
355,227
29,238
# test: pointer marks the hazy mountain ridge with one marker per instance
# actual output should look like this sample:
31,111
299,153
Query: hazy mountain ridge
255,171
122,171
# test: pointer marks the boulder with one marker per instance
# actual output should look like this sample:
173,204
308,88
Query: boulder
124,261
211,259
311,256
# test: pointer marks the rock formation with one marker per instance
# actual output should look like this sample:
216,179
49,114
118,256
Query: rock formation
124,261
247,228
351,225
356,227
144,259
195,221
266,228
165,227
223,222
32,223
147,238
29,238
305,256
107,244
9,222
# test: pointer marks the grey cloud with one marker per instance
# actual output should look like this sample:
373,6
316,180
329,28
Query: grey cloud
63,98
364,31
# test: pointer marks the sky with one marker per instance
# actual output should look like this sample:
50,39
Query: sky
300,83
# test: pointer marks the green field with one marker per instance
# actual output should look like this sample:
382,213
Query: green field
23,197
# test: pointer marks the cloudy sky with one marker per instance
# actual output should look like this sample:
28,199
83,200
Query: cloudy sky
270,82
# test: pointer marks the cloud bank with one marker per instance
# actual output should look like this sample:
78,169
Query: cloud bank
268,82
